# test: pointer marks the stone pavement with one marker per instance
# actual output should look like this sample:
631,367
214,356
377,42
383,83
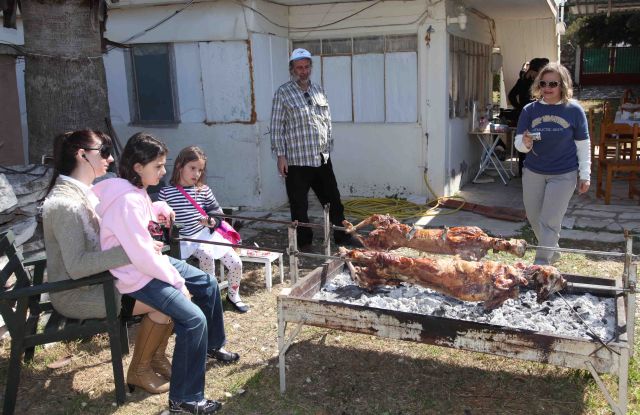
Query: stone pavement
587,218
605,91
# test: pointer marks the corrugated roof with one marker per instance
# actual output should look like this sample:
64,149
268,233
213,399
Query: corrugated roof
590,7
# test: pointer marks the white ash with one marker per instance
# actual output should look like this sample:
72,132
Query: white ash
552,316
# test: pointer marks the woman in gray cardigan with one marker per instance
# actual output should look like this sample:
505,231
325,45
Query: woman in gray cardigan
71,235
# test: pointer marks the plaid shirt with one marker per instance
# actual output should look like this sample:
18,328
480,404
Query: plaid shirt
301,126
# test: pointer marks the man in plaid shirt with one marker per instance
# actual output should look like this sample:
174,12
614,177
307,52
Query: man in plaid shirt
301,139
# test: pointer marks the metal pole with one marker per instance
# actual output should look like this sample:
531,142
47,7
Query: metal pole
293,250
204,241
282,328
630,280
327,231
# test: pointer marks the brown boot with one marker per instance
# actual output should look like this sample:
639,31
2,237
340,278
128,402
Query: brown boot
140,373
160,363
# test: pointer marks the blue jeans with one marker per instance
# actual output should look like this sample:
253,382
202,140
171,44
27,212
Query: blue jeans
199,326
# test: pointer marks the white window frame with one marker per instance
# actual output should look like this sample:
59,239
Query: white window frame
390,44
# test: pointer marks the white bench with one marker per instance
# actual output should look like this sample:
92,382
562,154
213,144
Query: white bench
260,257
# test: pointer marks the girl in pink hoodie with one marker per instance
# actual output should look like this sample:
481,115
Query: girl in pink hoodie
130,219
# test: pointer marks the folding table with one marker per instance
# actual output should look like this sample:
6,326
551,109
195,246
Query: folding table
489,140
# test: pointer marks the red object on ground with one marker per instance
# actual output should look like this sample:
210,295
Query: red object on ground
497,212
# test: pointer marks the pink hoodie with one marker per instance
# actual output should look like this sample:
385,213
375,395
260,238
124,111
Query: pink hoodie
126,211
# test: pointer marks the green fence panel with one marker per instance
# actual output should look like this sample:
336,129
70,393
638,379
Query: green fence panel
595,61
627,60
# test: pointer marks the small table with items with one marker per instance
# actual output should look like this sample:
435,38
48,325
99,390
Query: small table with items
260,257
489,140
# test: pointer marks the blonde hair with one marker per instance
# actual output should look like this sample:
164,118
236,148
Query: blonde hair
187,155
566,85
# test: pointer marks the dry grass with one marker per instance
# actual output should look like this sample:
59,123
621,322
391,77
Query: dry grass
330,372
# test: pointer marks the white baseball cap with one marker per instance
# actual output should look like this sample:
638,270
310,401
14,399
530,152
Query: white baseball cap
299,54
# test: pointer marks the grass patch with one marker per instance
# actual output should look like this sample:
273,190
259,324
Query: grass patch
333,372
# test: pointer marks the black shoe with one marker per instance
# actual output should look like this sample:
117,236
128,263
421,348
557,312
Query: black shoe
205,406
305,248
239,306
223,356
350,241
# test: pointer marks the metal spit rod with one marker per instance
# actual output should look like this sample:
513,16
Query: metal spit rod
281,222
204,241
342,228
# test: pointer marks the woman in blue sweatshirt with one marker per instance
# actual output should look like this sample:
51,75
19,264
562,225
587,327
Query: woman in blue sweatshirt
553,132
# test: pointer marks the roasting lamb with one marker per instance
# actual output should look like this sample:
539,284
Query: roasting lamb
469,242
490,282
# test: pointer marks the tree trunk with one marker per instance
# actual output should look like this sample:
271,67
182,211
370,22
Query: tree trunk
66,89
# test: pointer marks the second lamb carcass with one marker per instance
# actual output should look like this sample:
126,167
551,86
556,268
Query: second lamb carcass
469,242
490,282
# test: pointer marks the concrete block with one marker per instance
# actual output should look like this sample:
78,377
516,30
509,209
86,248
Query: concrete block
577,235
593,213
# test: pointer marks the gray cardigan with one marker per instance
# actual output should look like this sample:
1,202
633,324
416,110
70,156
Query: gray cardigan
72,241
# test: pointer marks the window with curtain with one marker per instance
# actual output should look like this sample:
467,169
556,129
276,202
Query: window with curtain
470,79
368,79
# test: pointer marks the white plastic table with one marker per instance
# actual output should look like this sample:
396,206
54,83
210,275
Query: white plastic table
618,120
260,257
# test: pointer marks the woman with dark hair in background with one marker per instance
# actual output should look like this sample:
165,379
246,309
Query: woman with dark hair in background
71,236
520,95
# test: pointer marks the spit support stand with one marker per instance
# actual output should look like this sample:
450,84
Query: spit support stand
292,251
327,230
629,283
629,278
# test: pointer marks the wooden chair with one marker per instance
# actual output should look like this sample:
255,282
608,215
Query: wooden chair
617,136
592,133
627,97
24,312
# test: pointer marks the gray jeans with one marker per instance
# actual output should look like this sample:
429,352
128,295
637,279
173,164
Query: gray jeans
546,198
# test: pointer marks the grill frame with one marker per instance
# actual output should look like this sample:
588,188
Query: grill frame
296,305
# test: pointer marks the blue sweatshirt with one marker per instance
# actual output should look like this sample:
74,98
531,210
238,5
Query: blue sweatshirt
559,126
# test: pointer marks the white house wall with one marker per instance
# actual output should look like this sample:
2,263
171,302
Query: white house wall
371,159
453,155
523,40
201,21
229,122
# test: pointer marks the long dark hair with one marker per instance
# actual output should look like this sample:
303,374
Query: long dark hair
187,155
66,146
141,148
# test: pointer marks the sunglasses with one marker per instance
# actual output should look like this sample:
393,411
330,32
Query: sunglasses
105,151
550,84
308,98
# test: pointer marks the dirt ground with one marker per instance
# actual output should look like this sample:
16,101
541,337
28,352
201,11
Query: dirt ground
328,372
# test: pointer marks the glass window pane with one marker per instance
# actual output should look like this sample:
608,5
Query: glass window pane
401,86
368,87
312,46
336,73
401,43
153,82
336,46
369,44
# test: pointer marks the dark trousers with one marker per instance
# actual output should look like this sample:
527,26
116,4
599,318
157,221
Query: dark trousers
323,182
